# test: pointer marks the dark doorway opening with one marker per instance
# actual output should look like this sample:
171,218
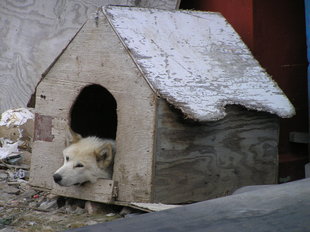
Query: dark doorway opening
94,113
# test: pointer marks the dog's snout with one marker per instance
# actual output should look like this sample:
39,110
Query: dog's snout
57,178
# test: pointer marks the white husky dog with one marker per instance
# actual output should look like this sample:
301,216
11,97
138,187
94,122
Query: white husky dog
86,160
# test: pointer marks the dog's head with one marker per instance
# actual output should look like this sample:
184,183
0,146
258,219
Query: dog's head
85,159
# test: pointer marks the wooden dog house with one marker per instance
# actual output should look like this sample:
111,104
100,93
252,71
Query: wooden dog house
196,113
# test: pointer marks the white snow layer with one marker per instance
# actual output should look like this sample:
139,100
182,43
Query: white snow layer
197,62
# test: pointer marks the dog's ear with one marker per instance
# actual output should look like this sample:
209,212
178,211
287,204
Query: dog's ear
71,136
104,155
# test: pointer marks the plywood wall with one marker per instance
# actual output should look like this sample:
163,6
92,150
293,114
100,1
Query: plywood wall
96,56
199,161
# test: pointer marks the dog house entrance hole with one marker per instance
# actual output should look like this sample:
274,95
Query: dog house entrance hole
93,113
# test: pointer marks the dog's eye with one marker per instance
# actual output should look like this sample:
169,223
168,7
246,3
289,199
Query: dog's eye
67,158
79,165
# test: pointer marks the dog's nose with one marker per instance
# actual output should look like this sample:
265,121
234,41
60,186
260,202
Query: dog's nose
57,178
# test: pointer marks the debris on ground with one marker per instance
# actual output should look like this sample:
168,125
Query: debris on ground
24,208
152,207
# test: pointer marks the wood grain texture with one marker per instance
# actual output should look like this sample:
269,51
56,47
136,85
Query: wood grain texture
199,161
158,4
103,191
32,35
97,56
160,156
48,158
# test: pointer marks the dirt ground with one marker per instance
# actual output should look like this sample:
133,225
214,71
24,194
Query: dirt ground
23,208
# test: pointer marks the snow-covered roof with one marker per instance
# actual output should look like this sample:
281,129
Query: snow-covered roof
196,61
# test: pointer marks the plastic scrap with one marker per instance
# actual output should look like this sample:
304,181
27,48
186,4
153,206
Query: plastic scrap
16,117
8,149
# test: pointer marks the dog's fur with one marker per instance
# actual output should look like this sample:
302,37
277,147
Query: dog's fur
86,160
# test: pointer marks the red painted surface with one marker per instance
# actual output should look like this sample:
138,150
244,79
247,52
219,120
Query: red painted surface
275,32
238,13
280,46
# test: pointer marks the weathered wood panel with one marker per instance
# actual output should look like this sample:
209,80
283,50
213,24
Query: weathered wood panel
46,154
193,161
96,56
32,35
199,161
102,191
47,159
158,4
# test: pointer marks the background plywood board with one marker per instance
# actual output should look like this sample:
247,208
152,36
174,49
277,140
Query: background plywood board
96,56
199,161
102,191
32,35
197,62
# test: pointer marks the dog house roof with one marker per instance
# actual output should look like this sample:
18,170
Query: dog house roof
196,61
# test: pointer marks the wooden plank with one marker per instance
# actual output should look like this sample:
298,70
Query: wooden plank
199,161
281,208
102,191
47,155
96,56
55,97
158,4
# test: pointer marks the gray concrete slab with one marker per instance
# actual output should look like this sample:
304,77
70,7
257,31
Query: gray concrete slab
280,208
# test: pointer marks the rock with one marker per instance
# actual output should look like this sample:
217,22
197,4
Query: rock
33,204
75,225
5,197
110,214
52,196
125,211
7,229
47,229
31,223
91,222
79,210
6,221
93,207
27,190
3,175
130,212
46,205
26,158
11,133
11,190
